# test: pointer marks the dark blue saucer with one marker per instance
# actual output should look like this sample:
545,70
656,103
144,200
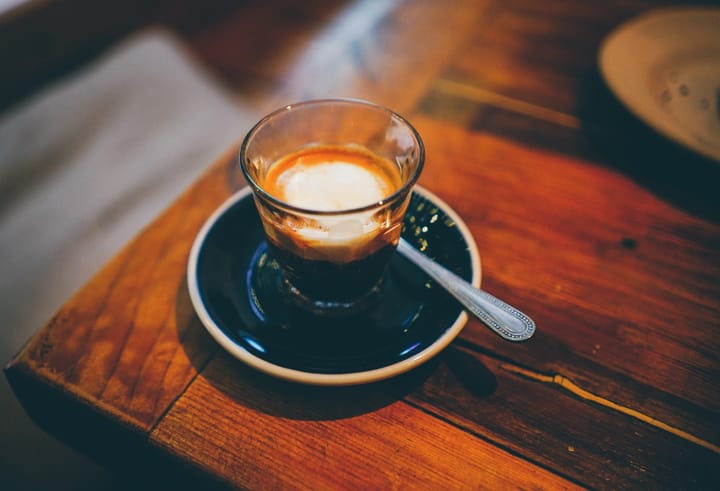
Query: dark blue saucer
235,287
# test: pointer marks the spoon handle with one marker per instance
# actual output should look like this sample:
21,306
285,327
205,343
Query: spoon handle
502,318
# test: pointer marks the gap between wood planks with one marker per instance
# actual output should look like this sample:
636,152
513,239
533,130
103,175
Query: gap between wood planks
489,98
477,94
573,388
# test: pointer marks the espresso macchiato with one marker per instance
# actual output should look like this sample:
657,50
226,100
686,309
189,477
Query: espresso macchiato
331,180
338,253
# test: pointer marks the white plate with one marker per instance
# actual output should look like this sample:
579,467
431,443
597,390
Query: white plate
665,67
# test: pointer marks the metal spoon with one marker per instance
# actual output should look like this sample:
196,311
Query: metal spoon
502,318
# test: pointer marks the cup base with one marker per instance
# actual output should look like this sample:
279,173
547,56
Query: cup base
332,308
275,300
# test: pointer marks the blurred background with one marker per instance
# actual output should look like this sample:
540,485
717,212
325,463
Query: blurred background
108,110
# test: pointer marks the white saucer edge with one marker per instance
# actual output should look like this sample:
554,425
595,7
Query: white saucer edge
324,379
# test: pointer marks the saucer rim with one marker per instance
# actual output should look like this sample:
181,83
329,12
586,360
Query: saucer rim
325,379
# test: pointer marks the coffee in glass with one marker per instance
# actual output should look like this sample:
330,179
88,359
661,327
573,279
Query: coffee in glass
331,181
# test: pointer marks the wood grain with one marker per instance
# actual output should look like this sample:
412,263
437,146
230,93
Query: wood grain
582,220
600,243
128,341
345,439
553,442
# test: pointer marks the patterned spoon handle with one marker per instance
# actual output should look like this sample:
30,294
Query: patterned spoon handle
505,320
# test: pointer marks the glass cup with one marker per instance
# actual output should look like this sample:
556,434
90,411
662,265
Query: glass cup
331,180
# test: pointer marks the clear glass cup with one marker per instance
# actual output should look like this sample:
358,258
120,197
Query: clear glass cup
333,259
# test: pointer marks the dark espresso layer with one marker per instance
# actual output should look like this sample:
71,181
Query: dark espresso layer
330,281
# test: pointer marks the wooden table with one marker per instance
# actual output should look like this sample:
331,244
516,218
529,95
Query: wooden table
603,232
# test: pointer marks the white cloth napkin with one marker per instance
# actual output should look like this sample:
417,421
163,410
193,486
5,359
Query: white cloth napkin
88,162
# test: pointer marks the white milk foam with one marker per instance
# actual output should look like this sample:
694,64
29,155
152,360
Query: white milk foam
331,186
334,184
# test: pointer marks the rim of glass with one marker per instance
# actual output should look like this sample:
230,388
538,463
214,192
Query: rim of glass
402,190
